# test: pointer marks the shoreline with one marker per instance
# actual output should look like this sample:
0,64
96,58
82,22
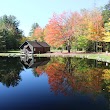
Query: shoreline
97,56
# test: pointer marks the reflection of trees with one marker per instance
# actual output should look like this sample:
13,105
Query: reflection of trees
106,84
106,79
9,71
10,79
67,75
56,76
39,65
89,81
37,71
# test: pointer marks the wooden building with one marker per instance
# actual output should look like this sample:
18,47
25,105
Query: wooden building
33,47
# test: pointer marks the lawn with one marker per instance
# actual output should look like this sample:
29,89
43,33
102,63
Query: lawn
97,56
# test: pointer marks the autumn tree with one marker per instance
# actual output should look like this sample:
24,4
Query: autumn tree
87,27
96,27
79,24
57,31
75,29
38,34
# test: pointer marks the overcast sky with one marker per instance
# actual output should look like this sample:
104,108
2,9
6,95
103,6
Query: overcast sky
32,11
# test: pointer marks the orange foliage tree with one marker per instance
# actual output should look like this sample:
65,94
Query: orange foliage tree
58,31
38,34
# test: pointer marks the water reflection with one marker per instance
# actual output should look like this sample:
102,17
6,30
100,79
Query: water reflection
66,76
10,71
70,75
32,62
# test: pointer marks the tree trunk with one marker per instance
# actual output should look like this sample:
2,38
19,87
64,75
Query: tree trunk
96,46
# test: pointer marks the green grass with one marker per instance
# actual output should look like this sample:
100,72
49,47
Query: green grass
9,54
13,51
100,57
97,56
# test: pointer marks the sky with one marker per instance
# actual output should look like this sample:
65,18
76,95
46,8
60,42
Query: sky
40,11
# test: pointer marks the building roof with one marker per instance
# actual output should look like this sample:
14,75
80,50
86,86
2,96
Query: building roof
36,44
44,44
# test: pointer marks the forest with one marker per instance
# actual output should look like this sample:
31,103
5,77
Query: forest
87,30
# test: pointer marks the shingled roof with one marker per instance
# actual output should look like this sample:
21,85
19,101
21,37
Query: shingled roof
44,44
34,43
38,44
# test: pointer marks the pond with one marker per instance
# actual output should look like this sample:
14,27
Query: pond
57,83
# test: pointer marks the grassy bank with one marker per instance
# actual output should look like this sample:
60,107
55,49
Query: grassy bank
97,56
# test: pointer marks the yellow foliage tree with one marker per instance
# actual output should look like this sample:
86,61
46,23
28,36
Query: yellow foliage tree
95,26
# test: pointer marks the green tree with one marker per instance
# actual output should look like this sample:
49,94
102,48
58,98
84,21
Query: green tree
106,12
2,40
9,32
82,42
34,26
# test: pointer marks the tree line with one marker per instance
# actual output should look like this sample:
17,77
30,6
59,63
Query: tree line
87,30
10,34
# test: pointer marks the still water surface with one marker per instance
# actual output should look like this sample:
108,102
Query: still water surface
54,84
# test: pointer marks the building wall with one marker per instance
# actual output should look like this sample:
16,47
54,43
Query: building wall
38,50
41,49
46,49
29,49
24,50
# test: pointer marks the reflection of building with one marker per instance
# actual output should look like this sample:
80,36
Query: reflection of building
30,61
34,47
